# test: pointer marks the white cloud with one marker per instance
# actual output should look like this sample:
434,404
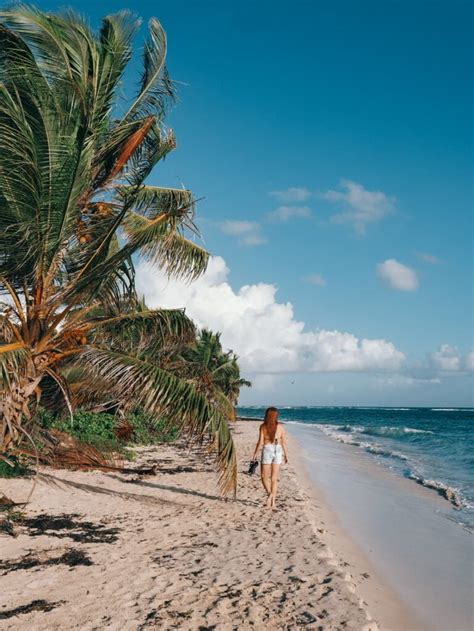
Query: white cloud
428,258
252,239
292,194
448,359
248,232
397,275
316,279
262,331
360,206
284,213
469,361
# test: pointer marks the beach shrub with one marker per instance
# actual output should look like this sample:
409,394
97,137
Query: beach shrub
17,471
45,418
102,430
93,428
147,430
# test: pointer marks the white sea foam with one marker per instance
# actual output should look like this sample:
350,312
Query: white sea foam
356,407
380,431
394,431
380,451
348,439
449,493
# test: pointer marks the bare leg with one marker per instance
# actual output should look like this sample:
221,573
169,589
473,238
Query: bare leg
266,480
274,484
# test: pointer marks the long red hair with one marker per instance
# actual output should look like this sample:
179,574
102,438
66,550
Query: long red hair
270,422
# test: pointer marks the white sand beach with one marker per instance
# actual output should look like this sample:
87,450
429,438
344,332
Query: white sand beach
164,551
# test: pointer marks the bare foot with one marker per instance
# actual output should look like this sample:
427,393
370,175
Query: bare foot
273,502
269,501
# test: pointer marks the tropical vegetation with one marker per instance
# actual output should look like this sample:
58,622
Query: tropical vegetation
75,213
215,372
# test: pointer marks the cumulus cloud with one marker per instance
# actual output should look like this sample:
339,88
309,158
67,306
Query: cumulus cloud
316,279
448,359
428,258
397,276
284,213
247,232
261,330
359,206
292,194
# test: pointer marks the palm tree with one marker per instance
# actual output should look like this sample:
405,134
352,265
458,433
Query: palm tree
75,209
214,372
199,359
234,383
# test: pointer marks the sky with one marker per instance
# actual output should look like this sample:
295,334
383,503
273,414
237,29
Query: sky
330,146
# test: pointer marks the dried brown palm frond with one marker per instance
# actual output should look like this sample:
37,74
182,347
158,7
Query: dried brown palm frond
62,451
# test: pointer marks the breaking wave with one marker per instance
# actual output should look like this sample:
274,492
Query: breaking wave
347,439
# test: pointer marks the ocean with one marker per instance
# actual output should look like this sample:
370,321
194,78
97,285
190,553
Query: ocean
432,447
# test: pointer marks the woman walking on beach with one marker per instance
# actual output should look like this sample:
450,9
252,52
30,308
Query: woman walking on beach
272,441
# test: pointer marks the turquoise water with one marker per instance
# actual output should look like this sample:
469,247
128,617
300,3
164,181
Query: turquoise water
431,446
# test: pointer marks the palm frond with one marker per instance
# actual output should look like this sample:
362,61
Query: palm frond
13,359
163,394
153,201
156,89
116,34
155,147
155,328
177,255
74,215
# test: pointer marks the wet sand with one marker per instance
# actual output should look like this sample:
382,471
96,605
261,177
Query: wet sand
408,533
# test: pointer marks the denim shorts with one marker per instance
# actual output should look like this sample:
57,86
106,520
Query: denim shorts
272,454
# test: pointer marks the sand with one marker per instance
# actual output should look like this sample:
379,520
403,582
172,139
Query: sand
405,534
164,551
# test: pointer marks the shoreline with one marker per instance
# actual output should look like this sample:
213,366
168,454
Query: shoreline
384,604
165,551
381,600
406,531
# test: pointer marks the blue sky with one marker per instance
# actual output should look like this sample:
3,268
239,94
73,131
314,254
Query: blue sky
364,110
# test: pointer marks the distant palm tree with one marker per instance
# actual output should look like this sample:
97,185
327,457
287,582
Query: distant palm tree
214,372
234,384
74,210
